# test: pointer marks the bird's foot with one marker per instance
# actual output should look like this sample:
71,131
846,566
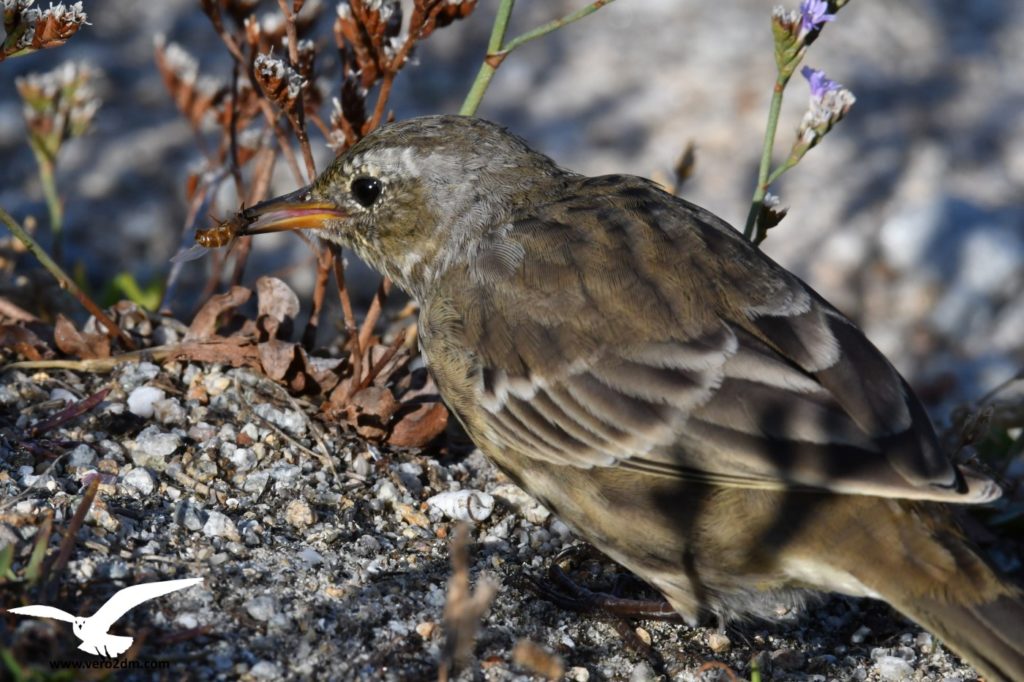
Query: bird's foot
563,591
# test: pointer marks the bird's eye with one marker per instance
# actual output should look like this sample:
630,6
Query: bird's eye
366,190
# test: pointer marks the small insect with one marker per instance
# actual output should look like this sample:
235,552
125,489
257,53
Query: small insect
214,237
224,232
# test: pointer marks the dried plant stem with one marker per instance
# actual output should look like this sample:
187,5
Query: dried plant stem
324,265
113,331
497,49
348,315
67,543
373,314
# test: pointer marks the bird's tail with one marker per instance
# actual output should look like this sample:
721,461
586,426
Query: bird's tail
989,635
940,580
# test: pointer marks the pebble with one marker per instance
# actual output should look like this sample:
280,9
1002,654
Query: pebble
219,525
243,459
265,670
82,456
426,629
718,642
169,412
141,399
289,420
642,673
577,674
299,514
152,446
262,608
140,480
893,668
189,516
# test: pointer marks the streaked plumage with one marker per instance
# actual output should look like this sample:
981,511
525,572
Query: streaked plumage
684,403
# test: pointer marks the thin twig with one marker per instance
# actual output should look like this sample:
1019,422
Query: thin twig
113,331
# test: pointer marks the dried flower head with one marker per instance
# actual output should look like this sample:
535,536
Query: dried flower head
280,83
58,105
27,29
194,95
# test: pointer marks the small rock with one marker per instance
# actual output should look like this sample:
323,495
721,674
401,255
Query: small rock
310,556
261,608
577,674
718,642
82,456
644,636
243,459
139,480
219,525
169,412
299,514
141,399
642,673
426,629
386,491
893,668
291,421
265,670
151,447
189,516
925,642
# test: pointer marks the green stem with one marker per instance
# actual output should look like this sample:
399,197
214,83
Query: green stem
766,155
497,49
556,24
489,65
55,207
62,278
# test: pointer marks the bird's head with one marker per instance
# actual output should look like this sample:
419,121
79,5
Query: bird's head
414,197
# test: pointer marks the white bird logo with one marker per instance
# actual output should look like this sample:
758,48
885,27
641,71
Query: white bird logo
93,630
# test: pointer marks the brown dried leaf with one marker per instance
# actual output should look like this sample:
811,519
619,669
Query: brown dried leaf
277,357
276,299
418,426
204,324
79,344
370,411
23,342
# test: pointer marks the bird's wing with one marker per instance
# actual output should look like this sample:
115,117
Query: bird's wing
623,326
130,597
40,611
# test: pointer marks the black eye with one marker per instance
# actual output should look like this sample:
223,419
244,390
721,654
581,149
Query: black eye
366,190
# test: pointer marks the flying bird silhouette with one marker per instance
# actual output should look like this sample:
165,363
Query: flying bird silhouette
93,630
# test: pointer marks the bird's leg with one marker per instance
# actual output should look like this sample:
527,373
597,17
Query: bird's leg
562,590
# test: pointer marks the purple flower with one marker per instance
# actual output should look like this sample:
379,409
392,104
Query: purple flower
813,13
819,82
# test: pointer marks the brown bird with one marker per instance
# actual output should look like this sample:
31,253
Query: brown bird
680,400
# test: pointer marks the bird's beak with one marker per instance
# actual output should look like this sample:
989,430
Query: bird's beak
294,211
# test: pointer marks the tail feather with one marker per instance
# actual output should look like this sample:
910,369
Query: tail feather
988,635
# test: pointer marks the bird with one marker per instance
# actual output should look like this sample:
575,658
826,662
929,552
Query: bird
94,630
681,401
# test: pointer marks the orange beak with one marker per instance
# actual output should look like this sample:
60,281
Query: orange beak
294,211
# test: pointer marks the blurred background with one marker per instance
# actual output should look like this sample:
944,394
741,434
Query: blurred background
909,216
